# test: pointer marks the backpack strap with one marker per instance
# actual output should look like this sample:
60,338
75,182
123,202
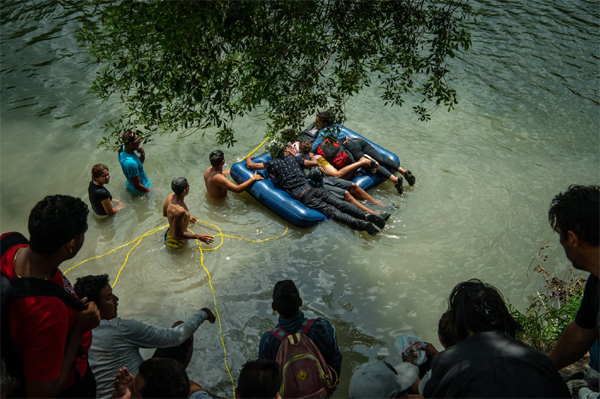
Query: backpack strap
279,333
306,326
9,240
39,287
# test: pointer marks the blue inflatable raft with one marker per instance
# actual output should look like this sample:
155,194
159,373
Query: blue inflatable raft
279,201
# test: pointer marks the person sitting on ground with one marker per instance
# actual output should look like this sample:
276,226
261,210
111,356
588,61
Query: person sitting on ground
324,123
379,379
287,303
217,184
116,342
338,186
157,378
575,216
100,197
487,360
133,165
49,339
259,379
179,217
287,169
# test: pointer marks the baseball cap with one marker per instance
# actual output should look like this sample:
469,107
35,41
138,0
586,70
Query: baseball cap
380,379
130,136
406,343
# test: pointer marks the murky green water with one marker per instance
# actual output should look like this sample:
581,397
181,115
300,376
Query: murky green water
526,127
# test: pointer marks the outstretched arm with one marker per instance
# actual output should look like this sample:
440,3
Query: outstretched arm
250,164
227,185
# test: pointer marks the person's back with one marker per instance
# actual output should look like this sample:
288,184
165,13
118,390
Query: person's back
487,361
287,302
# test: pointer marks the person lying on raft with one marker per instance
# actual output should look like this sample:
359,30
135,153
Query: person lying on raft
217,184
340,187
178,214
359,148
287,169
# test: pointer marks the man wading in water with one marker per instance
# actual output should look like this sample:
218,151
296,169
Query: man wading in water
178,214
217,184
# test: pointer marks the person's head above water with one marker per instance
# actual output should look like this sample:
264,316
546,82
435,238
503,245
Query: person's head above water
99,170
58,223
179,185
286,299
216,157
475,306
324,118
131,138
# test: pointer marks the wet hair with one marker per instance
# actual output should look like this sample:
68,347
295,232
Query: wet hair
179,185
276,148
90,287
286,298
216,157
164,378
305,147
578,210
98,170
476,306
54,221
444,330
259,379
326,117
289,136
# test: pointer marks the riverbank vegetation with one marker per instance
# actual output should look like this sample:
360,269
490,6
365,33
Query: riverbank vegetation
200,64
551,310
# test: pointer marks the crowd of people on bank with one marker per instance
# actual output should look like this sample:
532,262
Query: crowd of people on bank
60,340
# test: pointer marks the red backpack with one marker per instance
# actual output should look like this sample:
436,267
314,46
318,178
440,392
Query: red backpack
335,153
305,373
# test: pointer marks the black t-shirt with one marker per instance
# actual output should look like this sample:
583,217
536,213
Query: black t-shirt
98,194
493,365
288,172
588,311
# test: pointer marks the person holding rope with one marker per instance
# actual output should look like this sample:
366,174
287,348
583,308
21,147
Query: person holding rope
178,214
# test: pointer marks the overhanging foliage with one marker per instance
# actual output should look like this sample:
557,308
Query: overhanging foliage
197,64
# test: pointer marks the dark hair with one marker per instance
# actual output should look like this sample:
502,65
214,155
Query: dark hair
577,209
164,378
90,287
216,157
259,379
326,117
286,298
289,136
179,185
54,221
444,330
476,306
98,170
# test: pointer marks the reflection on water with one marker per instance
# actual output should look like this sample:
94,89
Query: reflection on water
526,127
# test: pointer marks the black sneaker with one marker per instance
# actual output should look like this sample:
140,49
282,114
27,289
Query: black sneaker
376,220
398,185
410,178
385,215
371,229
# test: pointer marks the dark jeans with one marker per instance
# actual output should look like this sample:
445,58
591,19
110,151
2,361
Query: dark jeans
359,147
334,208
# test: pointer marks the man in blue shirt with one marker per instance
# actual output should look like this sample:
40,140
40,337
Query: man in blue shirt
132,164
287,302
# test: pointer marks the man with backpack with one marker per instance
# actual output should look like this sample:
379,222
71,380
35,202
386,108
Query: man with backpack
45,333
306,349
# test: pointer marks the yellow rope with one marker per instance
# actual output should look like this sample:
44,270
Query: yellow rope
139,239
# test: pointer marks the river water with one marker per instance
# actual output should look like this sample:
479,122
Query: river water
526,127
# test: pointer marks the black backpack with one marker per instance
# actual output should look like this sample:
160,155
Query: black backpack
23,287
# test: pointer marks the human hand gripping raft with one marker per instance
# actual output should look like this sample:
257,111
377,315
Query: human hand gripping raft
179,217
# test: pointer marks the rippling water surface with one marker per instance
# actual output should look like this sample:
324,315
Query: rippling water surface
526,127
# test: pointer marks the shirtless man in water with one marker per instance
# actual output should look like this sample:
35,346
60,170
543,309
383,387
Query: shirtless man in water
217,184
178,214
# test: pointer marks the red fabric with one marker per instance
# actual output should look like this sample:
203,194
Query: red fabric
39,327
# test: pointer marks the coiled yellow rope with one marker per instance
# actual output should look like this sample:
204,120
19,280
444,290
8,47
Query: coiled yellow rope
139,239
